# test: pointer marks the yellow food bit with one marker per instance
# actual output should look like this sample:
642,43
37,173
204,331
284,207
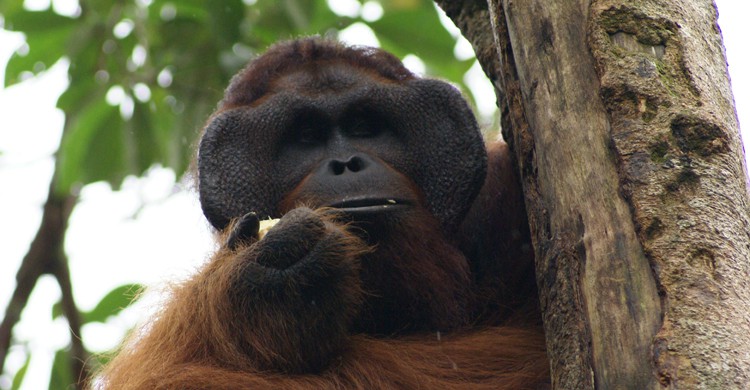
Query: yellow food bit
265,226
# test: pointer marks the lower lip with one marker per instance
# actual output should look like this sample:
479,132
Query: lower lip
374,209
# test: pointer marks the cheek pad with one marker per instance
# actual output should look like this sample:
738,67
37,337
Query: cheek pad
235,169
441,131
446,153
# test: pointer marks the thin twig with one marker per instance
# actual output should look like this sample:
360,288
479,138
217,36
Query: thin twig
79,355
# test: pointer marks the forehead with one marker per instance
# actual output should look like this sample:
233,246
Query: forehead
326,78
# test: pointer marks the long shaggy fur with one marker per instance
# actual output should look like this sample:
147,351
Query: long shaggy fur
203,339
493,358
424,297
200,340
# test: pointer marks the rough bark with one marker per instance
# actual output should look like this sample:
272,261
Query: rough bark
675,135
622,121
598,296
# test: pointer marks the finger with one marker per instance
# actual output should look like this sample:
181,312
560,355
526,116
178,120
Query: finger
244,230
291,239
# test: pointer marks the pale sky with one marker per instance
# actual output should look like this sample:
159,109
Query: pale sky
152,230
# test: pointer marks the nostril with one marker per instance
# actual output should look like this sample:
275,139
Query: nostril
352,164
355,164
338,167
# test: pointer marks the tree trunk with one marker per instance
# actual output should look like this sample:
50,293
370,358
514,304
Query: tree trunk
623,125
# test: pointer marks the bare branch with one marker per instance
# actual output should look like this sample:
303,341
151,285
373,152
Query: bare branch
45,256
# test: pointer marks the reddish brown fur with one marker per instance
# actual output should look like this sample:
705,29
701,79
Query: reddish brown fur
194,343
207,336
496,222
493,358
253,83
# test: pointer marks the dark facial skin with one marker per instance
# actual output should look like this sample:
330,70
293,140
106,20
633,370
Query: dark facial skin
354,155
337,135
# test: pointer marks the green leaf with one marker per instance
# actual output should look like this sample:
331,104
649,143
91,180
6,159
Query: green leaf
61,376
225,18
10,7
163,129
32,22
79,95
57,310
83,157
323,19
145,148
21,373
113,303
45,49
416,29
47,37
413,27
427,38
184,9
85,59
277,20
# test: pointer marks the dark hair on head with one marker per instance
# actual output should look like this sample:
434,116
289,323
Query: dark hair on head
284,57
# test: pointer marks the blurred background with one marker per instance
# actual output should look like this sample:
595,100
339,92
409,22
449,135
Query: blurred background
99,110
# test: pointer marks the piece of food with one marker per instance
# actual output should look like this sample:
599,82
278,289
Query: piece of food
265,226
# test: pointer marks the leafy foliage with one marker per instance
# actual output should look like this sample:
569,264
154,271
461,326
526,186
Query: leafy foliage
20,374
163,66
61,376
112,304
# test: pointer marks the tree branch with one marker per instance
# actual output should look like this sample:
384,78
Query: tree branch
79,355
45,256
